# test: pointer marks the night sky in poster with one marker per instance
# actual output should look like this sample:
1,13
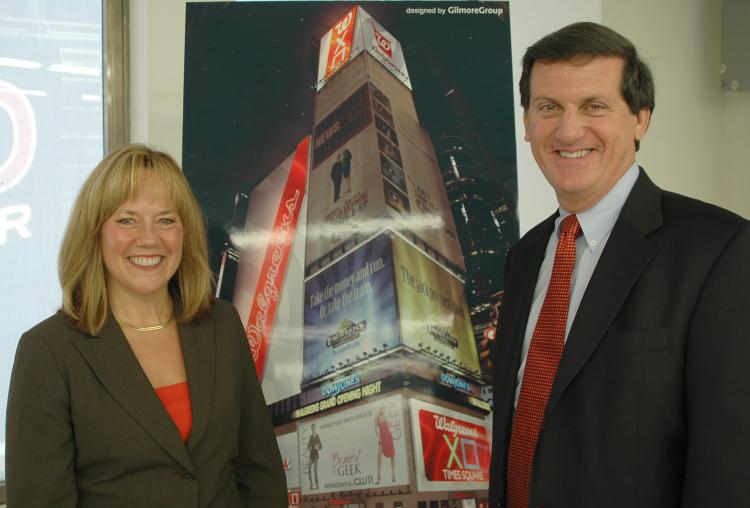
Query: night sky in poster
250,70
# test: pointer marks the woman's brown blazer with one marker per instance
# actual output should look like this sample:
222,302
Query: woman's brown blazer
86,429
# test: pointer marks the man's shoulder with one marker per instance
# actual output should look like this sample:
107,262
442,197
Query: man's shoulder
680,209
699,225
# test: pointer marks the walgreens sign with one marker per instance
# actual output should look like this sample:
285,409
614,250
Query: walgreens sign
454,449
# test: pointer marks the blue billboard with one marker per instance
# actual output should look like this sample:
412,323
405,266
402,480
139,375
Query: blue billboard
350,310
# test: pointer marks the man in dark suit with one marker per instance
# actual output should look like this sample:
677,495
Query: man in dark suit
622,359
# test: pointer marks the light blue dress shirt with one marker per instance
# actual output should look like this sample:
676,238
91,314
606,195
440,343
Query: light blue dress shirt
596,225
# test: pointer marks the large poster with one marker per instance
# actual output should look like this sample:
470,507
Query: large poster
451,449
354,449
397,264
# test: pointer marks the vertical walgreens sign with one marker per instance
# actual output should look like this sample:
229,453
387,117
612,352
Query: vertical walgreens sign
340,39
273,269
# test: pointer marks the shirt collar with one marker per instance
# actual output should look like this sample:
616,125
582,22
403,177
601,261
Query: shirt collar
597,222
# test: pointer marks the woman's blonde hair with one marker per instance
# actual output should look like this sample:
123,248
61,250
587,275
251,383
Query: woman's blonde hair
81,267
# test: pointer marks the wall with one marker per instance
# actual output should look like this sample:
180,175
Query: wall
735,177
157,48
696,144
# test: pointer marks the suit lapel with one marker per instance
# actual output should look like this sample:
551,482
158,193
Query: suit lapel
116,367
528,258
199,350
626,255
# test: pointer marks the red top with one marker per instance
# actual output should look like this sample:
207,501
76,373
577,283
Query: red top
176,400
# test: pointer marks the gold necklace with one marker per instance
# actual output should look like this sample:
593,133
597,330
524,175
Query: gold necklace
152,328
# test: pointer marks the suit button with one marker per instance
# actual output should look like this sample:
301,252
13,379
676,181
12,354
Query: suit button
187,476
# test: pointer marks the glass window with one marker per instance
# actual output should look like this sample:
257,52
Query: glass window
50,139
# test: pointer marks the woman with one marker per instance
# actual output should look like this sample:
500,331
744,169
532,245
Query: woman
385,443
141,390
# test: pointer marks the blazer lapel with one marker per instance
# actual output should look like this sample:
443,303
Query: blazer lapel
199,350
520,280
118,370
627,253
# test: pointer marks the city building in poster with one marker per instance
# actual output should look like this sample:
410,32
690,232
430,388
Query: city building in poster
384,295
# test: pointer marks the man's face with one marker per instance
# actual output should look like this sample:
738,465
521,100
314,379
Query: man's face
581,130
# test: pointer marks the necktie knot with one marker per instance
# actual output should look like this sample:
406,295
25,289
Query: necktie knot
570,226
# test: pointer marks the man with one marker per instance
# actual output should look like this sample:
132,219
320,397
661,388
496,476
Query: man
337,171
346,167
622,360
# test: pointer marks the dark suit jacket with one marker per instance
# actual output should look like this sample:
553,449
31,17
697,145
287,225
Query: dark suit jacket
85,428
650,407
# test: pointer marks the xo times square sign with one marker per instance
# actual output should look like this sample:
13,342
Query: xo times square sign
14,219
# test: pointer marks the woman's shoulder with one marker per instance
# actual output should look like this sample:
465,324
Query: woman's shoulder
222,314
55,334
54,326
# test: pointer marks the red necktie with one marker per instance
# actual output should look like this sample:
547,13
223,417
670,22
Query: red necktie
542,359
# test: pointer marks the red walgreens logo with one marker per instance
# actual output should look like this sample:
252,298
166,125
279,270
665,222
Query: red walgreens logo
383,42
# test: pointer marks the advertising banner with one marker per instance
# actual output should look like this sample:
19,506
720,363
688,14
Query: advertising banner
358,448
271,261
347,189
383,46
336,44
347,120
350,310
433,314
451,449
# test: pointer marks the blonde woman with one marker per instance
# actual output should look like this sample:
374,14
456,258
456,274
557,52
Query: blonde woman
140,391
